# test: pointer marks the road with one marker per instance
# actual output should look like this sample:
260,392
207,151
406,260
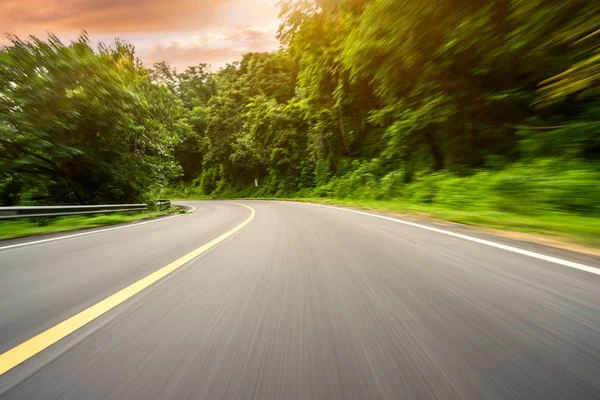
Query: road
301,302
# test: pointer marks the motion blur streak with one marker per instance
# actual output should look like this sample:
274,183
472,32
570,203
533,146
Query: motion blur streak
555,260
304,303
481,112
28,349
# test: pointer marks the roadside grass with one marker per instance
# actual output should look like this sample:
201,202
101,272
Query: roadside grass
571,228
13,229
561,227
555,198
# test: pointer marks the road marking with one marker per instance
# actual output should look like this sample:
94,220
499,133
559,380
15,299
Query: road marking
539,256
33,346
91,233
189,211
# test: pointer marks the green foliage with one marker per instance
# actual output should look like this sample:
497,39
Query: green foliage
193,88
450,86
39,226
479,106
83,126
467,105
543,186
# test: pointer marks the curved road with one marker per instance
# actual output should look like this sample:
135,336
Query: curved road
303,302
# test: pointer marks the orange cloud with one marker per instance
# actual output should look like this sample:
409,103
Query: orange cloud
213,51
181,32
183,56
109,16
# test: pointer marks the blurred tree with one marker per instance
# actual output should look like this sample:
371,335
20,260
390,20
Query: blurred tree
84,126
193,88
360,89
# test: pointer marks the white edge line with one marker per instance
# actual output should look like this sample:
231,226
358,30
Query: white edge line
92,232
539,256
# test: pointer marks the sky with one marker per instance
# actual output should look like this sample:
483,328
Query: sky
181,32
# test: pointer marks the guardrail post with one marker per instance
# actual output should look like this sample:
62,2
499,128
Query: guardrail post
163,204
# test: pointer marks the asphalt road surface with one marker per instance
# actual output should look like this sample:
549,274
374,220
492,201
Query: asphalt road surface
303,302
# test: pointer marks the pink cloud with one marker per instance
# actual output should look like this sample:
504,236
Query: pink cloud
104,16
181,56
181,32
227,48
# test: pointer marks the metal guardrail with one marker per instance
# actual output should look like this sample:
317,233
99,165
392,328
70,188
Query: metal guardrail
55,211
163,204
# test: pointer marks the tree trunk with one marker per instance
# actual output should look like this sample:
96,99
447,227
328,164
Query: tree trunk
438,158
342,129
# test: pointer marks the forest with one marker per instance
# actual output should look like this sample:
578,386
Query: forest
466,104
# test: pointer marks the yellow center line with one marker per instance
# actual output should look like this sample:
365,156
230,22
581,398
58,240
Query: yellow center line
33,346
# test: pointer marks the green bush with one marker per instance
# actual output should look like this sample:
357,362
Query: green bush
535,188
548,185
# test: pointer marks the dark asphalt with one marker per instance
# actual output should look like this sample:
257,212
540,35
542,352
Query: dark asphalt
304,303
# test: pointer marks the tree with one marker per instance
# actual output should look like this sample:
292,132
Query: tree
84,126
